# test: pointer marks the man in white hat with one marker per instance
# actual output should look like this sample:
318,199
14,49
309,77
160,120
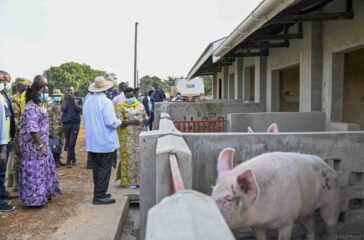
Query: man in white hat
101,137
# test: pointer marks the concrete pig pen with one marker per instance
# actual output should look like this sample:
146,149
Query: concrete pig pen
344,151
287,122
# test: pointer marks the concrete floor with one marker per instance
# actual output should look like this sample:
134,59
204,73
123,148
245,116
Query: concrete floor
97,222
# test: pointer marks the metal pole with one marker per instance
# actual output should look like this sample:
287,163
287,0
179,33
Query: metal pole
135,56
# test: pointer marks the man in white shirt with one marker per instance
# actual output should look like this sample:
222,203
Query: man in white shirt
101,137
121,97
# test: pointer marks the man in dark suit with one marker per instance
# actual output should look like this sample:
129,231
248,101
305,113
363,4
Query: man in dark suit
5,86
148,103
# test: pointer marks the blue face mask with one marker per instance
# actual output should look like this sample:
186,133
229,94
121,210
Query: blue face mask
43,97
130,100
57,98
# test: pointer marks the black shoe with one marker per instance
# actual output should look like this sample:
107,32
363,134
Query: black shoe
58,165
5,207
108,195
73,163
104,200
69,165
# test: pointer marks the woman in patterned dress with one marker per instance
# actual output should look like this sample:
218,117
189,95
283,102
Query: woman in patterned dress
133,116
38,176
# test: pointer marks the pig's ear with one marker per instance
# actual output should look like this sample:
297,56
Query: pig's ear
225,161
250,130
248,185
273,128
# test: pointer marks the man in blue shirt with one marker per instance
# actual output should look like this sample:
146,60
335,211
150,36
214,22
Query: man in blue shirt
101,137
71,118
159,95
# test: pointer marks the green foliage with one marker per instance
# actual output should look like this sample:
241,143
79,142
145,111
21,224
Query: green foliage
146,83
78,75
207,81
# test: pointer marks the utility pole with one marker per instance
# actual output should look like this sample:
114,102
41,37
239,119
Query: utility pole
135,56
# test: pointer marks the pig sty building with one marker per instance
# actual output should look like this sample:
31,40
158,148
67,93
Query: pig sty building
299,63
294,56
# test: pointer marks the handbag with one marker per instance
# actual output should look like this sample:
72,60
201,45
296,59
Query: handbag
55,145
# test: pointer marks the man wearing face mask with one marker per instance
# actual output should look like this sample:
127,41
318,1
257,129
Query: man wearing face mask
5,86
4,206
14,160
71,118
55,125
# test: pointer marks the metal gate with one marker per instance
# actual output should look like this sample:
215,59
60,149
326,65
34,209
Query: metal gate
201,125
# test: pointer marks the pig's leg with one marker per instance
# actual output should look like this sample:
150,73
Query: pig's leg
285,232
260,234
330,216
310,227
329,212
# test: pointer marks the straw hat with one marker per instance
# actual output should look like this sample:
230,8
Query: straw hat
57,92
100,85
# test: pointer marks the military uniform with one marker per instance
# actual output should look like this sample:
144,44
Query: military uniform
55,126
14,163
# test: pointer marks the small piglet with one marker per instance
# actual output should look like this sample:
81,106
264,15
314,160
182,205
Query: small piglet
273,190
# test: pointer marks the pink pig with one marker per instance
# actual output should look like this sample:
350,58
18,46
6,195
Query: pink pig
273,190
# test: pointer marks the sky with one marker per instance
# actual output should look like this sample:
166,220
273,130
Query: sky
172,34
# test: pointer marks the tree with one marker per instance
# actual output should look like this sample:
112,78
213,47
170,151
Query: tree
207,81
146,83
78,75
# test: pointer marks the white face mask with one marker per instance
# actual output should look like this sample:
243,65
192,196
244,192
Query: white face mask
8,87
2,86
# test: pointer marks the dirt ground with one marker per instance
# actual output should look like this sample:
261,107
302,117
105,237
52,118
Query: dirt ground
39,223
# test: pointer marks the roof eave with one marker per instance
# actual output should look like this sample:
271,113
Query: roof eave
265,11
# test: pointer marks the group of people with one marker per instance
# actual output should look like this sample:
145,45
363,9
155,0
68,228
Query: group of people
24,132
117,124
34,129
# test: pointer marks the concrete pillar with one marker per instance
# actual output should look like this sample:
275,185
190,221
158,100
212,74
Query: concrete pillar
214,86
225,82
261,81
152,159
172,144
311,68
231,82
187,215
337,86
239,77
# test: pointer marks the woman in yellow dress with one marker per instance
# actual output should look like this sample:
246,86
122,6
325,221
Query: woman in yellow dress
133,116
